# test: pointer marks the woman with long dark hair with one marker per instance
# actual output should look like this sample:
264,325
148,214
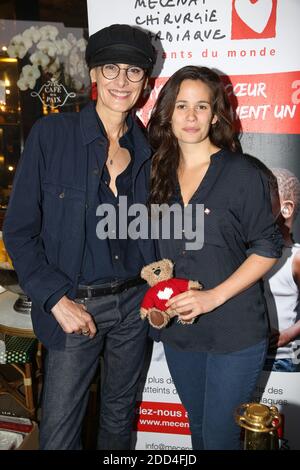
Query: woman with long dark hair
215,361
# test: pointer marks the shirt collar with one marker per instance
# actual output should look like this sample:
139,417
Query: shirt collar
92,128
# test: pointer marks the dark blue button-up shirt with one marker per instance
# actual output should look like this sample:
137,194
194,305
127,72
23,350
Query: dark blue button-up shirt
238,222
110,258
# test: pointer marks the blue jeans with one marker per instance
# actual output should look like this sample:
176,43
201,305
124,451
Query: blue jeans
211,386
121,338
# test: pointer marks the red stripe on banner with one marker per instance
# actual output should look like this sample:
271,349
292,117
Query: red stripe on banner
169,418
266,103
263,103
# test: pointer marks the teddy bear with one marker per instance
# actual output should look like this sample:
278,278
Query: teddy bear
163,286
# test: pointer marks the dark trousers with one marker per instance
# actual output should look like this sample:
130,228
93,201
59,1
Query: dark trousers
211,387
121,338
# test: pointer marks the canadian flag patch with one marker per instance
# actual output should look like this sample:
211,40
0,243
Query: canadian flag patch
165,294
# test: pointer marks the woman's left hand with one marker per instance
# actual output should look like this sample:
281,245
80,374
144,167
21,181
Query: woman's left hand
192,303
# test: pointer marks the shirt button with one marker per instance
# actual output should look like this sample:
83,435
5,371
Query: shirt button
62,195
95,171
116,257
106,183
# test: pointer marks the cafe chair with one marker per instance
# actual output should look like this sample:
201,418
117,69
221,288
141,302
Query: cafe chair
24,355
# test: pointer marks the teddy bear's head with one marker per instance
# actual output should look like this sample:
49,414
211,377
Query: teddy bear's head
158,271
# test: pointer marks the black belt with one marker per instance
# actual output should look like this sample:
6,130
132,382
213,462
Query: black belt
115,287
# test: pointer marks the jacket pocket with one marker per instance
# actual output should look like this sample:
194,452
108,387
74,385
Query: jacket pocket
63,210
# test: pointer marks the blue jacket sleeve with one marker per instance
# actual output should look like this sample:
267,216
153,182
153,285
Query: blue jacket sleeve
23,224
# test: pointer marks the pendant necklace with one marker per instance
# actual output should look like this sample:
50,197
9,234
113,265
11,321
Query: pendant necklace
111,160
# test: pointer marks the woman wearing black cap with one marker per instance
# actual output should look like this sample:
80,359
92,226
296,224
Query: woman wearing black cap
85,289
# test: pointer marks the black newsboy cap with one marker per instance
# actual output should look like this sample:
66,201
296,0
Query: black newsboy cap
120,43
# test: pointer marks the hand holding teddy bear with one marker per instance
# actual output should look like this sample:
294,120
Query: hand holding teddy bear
163,286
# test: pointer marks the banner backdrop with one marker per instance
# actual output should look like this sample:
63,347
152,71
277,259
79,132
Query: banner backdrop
254,45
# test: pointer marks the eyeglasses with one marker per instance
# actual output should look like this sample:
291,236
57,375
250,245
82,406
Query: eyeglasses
112,71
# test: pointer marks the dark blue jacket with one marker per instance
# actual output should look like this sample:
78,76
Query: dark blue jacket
44,228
